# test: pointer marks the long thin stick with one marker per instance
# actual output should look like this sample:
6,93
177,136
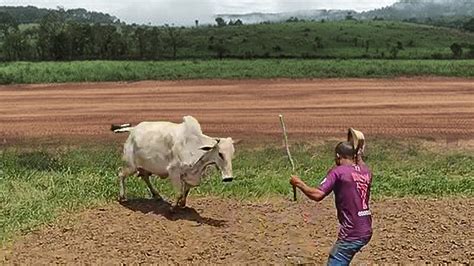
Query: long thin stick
285,136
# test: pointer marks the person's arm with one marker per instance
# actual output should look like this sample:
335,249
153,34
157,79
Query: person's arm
312,193
316,194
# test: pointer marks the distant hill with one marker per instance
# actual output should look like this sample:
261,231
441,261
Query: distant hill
425,11
31,14
422,9
253,18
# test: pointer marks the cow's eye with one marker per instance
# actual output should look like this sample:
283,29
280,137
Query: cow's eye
221,155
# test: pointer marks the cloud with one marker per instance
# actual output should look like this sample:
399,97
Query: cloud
167,11
185,12
359,5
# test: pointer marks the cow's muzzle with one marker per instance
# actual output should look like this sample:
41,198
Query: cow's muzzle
227,179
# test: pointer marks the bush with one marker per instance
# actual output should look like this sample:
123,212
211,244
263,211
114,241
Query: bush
470,54
394,52
457,50
277,48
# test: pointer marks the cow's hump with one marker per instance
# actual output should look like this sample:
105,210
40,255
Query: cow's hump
192,125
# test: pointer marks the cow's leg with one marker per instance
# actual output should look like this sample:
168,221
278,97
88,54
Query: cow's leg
180,203
123,174
179,198
146,177
182,199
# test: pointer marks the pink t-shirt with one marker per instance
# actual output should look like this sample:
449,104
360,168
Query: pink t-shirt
351,186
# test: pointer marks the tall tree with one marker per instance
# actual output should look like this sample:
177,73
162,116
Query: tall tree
140,35
50,35
9,33
174,39
7,23
154,43
220,22
457,50
79,40
220,47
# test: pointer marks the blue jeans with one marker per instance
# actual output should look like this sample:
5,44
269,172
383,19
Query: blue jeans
343,251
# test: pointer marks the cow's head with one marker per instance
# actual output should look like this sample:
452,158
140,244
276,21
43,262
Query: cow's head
221,154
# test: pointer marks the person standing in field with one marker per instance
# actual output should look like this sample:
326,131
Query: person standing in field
351,185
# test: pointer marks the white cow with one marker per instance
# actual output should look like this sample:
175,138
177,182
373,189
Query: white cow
179,152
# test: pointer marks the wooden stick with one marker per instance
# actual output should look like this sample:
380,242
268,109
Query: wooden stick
285,137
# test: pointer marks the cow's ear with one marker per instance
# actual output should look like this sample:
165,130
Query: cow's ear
206,148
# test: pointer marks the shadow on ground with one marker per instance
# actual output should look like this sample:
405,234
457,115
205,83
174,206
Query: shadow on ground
163,208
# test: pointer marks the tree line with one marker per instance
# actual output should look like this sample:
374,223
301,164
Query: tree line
31,14
56,38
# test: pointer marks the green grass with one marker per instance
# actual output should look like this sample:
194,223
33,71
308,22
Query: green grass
86,71
338,39
38,185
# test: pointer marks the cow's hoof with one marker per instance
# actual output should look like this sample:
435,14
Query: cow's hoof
122,199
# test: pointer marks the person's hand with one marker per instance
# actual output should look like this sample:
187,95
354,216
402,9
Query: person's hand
295,180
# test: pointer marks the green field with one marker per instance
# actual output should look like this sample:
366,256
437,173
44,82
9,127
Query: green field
60,40
37,185
86,71
343,39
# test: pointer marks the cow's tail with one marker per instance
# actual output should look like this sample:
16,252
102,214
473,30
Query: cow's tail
121,128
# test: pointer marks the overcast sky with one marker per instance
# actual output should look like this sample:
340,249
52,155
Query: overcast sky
186,11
